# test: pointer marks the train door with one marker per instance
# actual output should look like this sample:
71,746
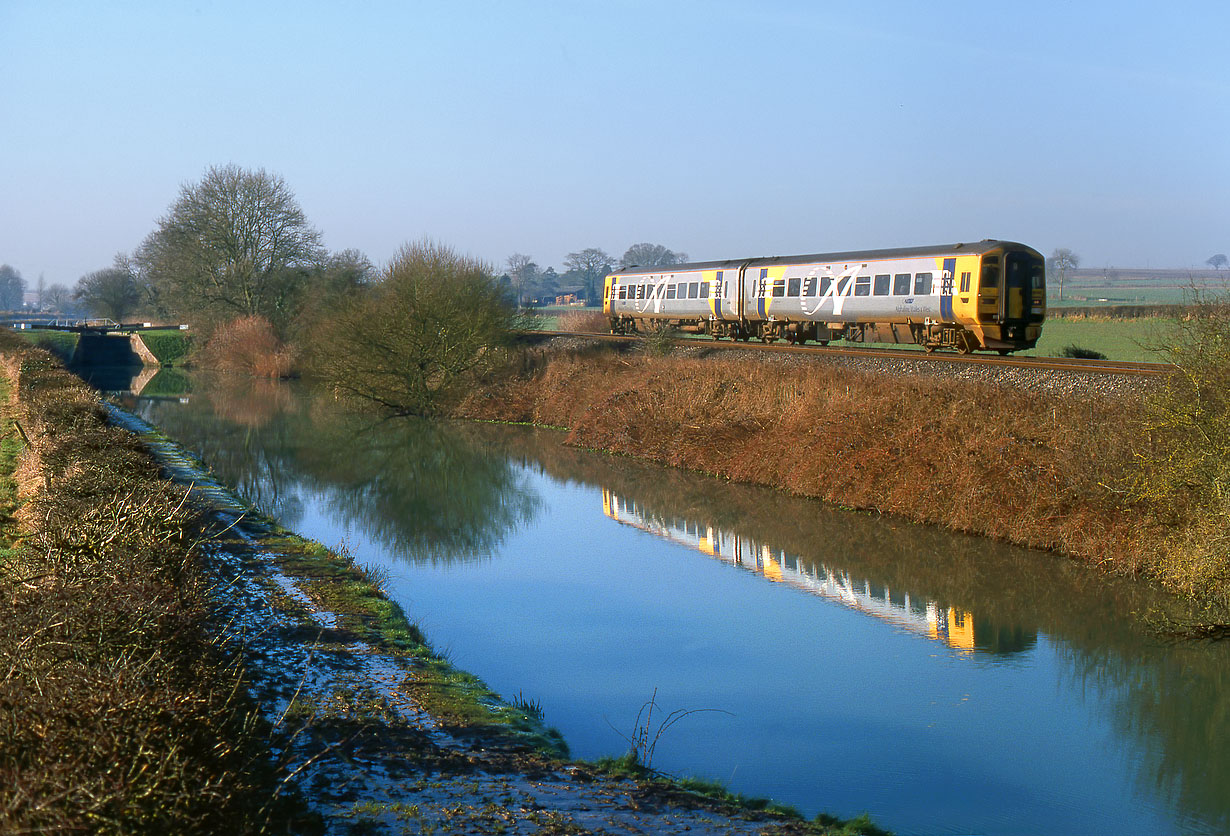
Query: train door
950,268
1017,288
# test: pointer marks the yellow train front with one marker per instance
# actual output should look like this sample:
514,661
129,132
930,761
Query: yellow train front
985,296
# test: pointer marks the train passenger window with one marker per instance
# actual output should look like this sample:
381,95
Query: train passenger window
901,284
881,286
694,290
704,290
825,283
623,292
670,291
640,291
843,285
779,288
862,286
922,284
793,286
809,286
965,282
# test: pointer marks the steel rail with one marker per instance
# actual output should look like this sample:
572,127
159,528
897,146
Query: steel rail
1066,364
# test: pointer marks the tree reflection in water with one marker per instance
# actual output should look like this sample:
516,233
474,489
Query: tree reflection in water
451,493
420,490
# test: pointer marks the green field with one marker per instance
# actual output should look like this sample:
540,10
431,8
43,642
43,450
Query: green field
1130,340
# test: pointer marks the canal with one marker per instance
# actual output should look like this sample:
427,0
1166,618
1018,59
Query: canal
834,661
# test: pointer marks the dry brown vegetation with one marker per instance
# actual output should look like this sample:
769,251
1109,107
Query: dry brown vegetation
118,712
247,345
997,461
583,322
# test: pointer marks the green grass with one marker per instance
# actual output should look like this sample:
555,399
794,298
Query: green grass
170,346
60,343
1119,339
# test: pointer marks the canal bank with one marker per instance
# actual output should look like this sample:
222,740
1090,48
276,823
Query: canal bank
362,724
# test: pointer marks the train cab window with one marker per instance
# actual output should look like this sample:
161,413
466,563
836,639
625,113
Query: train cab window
793,286
694,290
881,284
922,284
670,291
989,280
809,286
779,288
704,290
965,282
826,282
862,286
901,284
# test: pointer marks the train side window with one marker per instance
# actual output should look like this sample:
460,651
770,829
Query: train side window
670,291
694,290
640,291
825,283
965,282
704,290
809,286
623,292
881,284
862,286
901,284
922,284
792,287
843,285
779,288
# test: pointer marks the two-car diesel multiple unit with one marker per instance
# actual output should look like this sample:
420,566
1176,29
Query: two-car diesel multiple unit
985,296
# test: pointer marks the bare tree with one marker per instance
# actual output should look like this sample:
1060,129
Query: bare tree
1061,261
57,298
521,269
651,255
12,288
234,244
1218,261
111,292
591,264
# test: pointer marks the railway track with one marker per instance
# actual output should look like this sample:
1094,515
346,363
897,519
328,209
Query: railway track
1065,364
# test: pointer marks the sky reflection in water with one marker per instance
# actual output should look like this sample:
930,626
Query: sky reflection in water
945,684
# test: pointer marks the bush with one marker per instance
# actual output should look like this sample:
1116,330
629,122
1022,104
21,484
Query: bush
412,342
247,345
1184,454
583,322
1078,353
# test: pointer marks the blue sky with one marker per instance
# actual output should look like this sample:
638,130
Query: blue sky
722,129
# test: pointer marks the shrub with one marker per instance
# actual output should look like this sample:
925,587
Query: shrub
247,345
412,342
584,322
1078,353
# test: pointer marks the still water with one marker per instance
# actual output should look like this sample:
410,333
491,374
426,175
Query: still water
844,662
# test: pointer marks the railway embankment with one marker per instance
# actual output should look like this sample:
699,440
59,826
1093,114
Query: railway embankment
1046,461
172,662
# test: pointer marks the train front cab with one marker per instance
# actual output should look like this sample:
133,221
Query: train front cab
1011,298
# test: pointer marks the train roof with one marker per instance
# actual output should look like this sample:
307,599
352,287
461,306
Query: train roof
985,245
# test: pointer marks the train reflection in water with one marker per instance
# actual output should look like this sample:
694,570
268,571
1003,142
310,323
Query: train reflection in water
954,626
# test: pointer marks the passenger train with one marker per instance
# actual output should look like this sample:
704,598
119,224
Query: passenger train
985,296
